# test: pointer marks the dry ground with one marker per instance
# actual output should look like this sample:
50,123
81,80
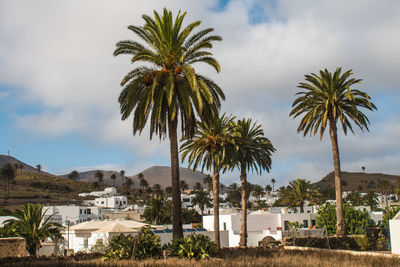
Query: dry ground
237,257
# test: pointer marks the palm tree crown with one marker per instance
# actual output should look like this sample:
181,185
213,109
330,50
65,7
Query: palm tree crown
329,98
169,85
298,192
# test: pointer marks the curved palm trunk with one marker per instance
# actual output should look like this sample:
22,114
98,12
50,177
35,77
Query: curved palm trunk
215,181
243,226
177,231
341,225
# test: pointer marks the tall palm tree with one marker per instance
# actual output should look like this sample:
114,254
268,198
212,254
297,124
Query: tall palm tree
327,99
298,192
99,175
252,152
31,224
167,86
212,142
268,189
273,181
202,200
113,177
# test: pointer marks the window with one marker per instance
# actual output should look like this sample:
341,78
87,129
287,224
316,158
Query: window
224,225
80,211
286,224
102,202
124,201
305,223
116,202
313,223
85,211
89,211
86,242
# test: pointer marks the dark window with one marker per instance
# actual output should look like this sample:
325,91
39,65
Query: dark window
286,224
305,223
80,211
313,223
89,211
224,225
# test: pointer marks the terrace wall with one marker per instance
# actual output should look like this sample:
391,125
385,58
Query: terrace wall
12,247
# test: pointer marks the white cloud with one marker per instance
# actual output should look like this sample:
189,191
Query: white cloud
60,54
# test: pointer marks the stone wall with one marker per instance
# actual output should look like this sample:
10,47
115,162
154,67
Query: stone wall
12,247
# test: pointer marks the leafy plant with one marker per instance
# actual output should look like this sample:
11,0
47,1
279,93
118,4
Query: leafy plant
388,214
145,245
363,243
194,246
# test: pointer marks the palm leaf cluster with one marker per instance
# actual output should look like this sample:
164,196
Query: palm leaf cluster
168,85
31,224
328,97
298,193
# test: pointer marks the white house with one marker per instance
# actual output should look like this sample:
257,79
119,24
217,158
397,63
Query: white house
73,214
257,224
394,227
108,191
115,202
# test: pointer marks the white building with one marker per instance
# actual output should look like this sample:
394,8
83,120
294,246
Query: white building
394,227
73,214
108,191
115,202
258,223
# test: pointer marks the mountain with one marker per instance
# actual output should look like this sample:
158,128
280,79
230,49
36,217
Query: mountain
359,181
4,159
89,176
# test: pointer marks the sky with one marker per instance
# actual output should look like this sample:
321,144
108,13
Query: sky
59,81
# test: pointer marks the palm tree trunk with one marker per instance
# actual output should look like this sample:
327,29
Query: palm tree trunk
177,231
341,225
302,208
243,226
215,181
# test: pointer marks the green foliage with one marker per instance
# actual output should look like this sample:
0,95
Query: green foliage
356,220
147,245
51,186
190,216
194,246
388,214
158,211
297,193
362,242
31,224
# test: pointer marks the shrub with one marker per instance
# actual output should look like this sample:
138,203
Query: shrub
195,246
362,242
388,214
356,220
145,245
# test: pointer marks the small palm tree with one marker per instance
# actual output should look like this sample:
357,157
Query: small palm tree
99,175
167,88
202,200
207,180
122,173
7,174
39,168
31,224
252,152
298,192
371,199
326,100
234,195
211,143
355,198
157,211
197,187
184,186
157,189
73,175
113,177
258,192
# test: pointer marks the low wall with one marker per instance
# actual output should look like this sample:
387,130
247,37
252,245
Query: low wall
12,247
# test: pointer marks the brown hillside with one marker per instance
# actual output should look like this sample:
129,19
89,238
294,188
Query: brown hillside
362,182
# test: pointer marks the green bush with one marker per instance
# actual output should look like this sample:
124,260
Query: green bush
362,242
356,220
388,214
194,246
147,245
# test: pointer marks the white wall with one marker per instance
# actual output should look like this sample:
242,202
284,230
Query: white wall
394,226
